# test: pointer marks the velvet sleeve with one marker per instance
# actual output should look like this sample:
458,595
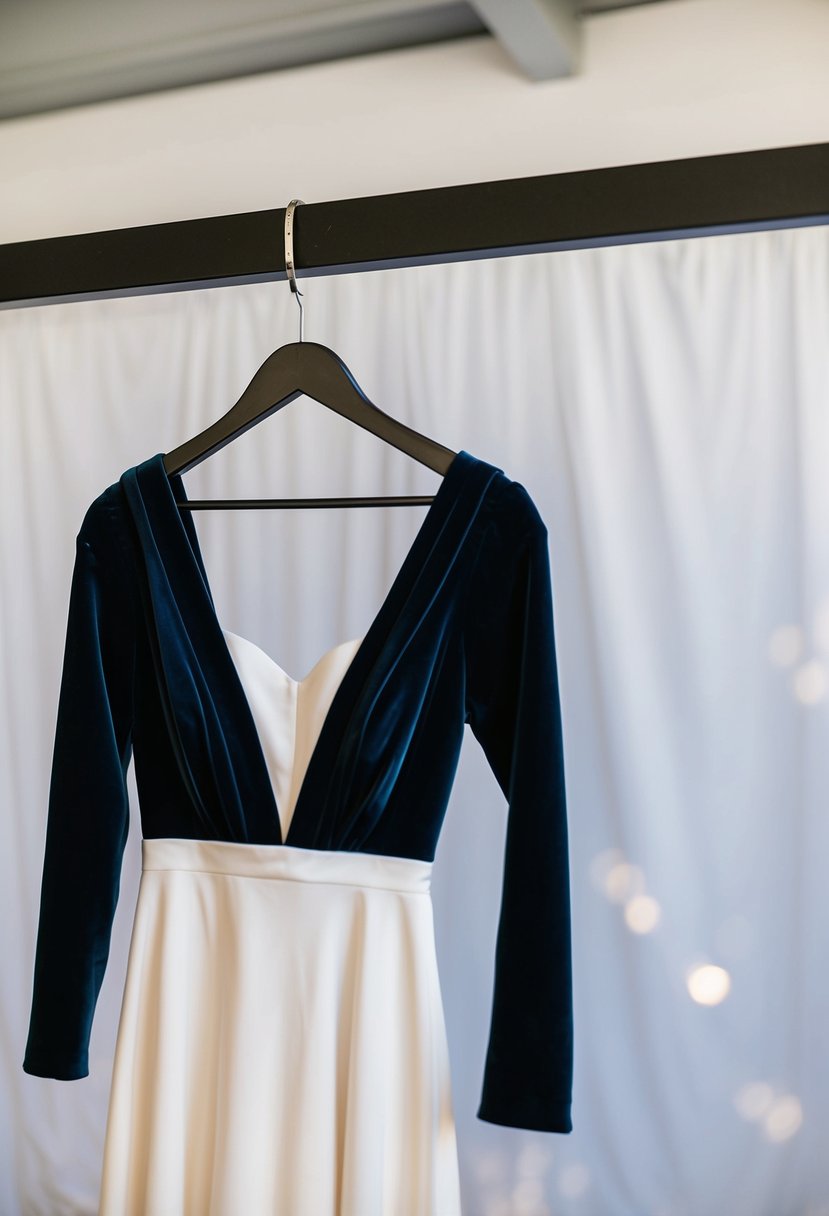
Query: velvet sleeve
512,706
88,809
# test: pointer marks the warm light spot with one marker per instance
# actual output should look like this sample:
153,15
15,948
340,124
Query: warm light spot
574,1180
623,881
602,864
784,1118
709,984
642,913
754,1099
786,645
809,682
498,1205
491,1167
528,1199
533,1160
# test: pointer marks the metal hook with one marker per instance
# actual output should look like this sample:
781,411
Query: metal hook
289,255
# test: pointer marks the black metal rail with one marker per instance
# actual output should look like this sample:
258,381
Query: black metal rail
658,200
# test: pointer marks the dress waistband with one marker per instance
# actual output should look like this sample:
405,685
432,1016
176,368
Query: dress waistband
286,861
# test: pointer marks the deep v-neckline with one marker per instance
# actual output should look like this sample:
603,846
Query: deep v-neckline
345,695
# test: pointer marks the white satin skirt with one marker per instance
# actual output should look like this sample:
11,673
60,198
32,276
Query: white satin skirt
281,1048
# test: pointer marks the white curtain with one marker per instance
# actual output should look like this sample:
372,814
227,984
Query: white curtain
667,406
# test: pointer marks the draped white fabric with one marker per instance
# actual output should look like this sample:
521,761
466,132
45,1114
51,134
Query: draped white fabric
667,406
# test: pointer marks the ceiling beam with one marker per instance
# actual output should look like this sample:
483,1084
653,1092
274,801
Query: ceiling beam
543,37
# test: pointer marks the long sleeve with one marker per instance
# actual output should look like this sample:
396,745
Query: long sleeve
88,809
512,706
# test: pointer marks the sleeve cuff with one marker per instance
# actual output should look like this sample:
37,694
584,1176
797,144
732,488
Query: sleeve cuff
70,1068
550,1117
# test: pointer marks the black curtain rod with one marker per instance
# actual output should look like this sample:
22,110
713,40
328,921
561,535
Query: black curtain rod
657,200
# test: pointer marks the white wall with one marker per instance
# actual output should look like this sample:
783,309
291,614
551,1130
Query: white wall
682,78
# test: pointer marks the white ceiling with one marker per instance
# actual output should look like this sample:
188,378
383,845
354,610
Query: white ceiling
59,53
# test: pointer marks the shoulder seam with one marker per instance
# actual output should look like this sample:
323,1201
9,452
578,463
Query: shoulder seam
100,534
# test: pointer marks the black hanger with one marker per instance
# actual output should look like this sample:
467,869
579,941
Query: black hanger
316,370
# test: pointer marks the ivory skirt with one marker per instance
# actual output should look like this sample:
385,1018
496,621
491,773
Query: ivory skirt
281,1048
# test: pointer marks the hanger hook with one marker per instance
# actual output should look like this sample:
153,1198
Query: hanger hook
289,254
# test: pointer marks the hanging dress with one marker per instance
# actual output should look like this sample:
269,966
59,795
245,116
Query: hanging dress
281,1048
